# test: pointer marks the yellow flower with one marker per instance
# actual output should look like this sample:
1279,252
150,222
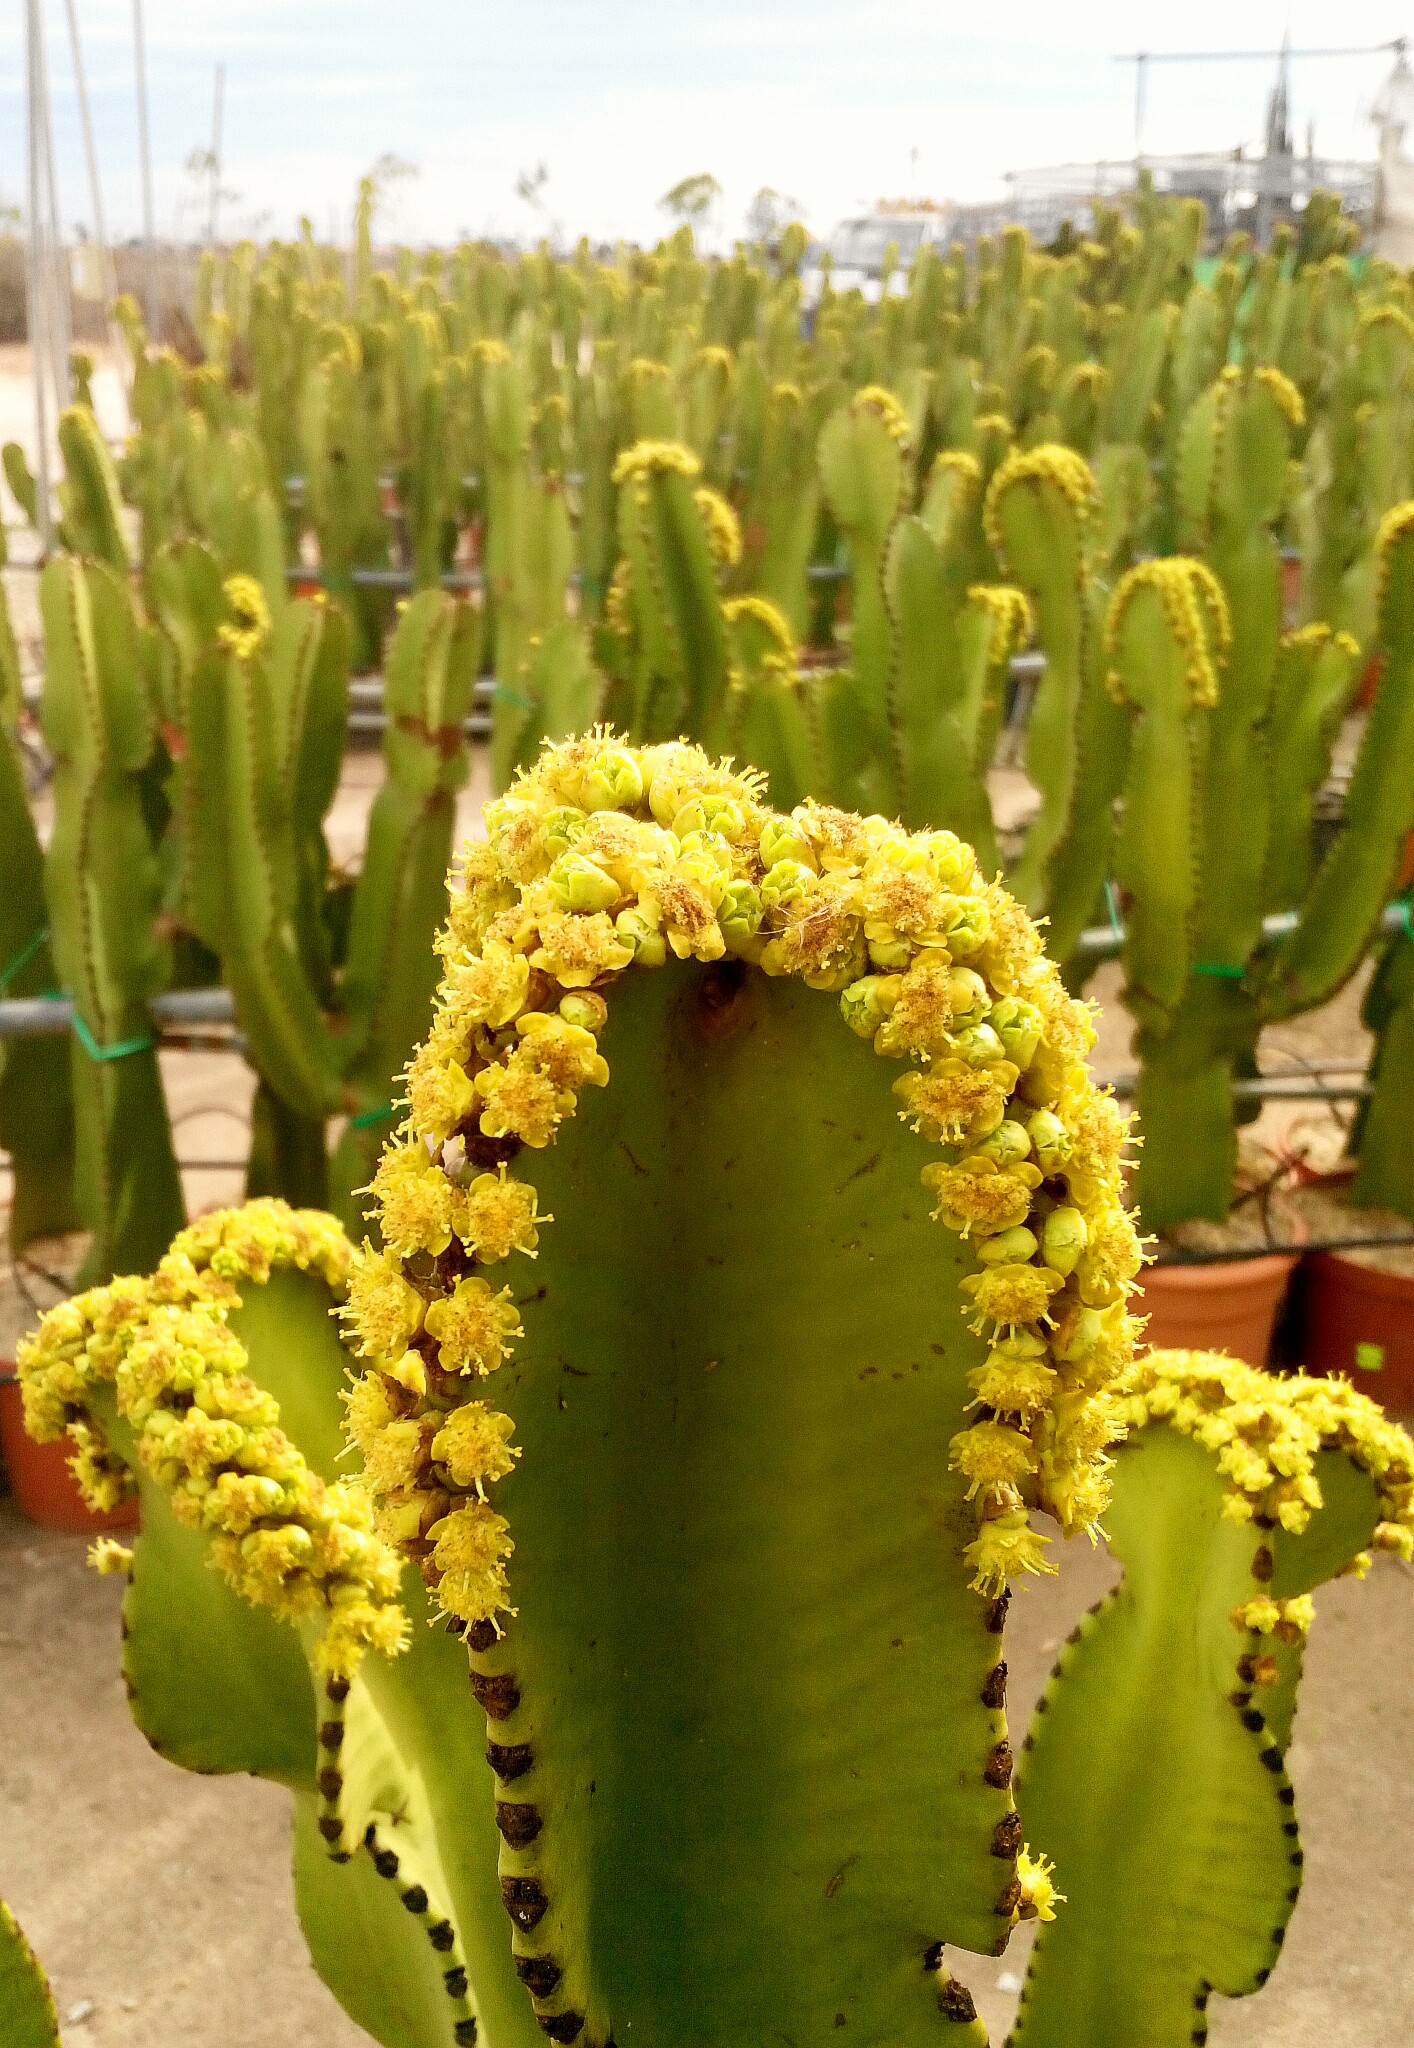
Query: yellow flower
440,1093
522,1101
470,1549
1015,1380
1036,1876
107,1555
1005,1547
923,1009
383,1312
978,1195
414,1200
473,1326
722,525
474,1444
994,1457
1010,1294
576,949
567,1053
489,988
252,617
496,1216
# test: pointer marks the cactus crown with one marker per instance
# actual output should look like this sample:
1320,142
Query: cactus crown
248,631
1267,1433
1196,612
208,1435
1049,464
602,856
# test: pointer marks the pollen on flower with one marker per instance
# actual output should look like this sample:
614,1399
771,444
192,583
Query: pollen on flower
978,1196
1005,1548
473,1326
1008,1295
495,1216
383,1312
520,1100
1036,1876
414,1200
474,1444
471,1546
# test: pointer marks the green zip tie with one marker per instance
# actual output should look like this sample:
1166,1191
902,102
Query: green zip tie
1219,970
23,957
1113,908
367,1119
1400,908
507,693
120,1051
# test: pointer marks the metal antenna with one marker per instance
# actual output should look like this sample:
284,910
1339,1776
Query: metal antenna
1142,59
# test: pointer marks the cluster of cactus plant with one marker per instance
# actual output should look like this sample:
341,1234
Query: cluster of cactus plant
729,1558
814,538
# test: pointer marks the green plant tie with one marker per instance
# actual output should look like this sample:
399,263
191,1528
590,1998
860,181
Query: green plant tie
1219,969
27,953
507,693
1112,906
368,1118
142,1043
1400,909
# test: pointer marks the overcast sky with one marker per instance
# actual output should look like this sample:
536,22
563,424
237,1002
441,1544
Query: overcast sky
824,99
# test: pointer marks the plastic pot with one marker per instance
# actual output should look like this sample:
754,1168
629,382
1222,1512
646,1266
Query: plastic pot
40,1480
1229,1306
1360,1321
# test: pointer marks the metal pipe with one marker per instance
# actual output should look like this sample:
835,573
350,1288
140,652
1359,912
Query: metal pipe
95,189
38,312
1103,941
213,224
144,140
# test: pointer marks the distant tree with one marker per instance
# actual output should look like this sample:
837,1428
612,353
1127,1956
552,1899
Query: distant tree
692,199
768,216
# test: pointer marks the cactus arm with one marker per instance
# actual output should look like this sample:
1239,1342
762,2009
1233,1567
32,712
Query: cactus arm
682,682
1038,506
1349,892
1316,672
1174,1877
400,899
723,1501
934,768
1154,1775
771,723
28,2018
36,1101
93,510
1386,1175
1167,633
102,885
862,469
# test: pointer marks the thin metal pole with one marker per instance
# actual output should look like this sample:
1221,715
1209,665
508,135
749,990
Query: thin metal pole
213,225
38,311
95,188
1141,85
144,140
61,329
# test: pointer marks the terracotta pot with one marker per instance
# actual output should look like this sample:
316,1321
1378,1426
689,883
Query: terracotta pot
40,1479
1360,1321
1230,1306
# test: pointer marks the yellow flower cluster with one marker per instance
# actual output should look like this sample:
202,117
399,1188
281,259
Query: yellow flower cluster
161,1349
1287,399
1013,621
250,629
603,856
1266,1434
1393,528
1051,463
1195,611
723,526
886,408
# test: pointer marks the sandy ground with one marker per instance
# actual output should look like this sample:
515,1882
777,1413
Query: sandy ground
162,1901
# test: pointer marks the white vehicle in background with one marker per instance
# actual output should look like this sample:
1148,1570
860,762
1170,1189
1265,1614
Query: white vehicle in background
856,248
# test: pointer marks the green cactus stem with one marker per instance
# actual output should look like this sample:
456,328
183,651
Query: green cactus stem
1167,635
681,667
30,2018
390,970
1315,677
1154,1774
1342,909
102,886
642,1888
88,497
36,1101
1038,508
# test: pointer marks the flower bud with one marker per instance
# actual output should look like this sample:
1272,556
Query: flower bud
1051,1139
560,828
966,927
650,948
1012,1247
580,884
893,955
1063,1239
865,1003
786,882
979,1045
1007,1144
780,841
1019,1025
716,814
583,1008
739,915
612,782
967,995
